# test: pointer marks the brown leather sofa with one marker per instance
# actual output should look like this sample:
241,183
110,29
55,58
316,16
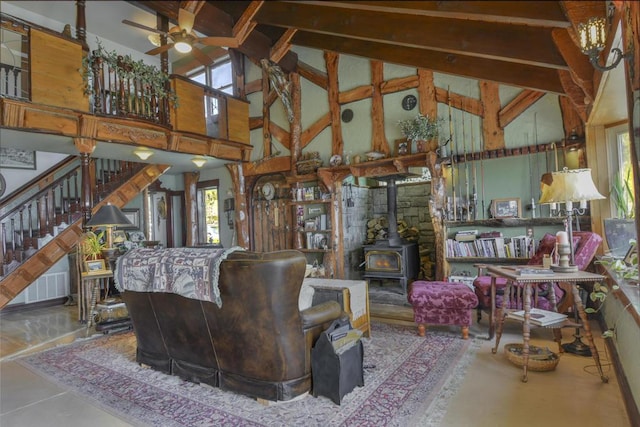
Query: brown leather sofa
258,343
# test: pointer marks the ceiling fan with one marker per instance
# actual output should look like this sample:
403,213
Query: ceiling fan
183,39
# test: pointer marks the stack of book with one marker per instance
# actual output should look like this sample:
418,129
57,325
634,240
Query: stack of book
539,317
467,245
466,235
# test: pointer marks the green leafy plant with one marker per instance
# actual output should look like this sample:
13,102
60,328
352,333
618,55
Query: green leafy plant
92,244
420,128
127,68
623,196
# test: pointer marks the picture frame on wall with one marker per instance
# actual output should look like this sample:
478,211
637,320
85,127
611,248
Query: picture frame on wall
506,208
13,158
402,147
133,215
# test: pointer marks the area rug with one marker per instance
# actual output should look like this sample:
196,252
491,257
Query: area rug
408,381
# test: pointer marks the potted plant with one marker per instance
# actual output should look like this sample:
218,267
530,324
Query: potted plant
91,245
423,130
620,230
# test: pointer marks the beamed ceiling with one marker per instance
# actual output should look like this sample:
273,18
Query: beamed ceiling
528,44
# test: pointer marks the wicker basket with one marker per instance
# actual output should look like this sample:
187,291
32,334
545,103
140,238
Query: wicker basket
540,359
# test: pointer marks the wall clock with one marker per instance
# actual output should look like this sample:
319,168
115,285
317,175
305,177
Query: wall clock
409,102
268,191
3,185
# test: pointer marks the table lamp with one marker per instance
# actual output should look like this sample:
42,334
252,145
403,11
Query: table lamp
568,186
108,216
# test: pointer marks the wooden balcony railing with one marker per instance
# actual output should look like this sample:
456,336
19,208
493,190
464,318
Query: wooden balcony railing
11,79
117,91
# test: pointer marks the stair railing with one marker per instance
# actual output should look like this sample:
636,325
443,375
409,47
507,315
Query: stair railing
37,218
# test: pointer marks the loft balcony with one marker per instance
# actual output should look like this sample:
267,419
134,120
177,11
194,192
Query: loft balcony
43,89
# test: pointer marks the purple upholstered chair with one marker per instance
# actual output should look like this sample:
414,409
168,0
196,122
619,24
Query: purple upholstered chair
585,245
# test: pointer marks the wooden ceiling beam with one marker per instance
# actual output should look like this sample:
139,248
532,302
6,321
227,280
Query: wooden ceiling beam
282,46
519,12
515,74
581,69
473,38
245,24
214,22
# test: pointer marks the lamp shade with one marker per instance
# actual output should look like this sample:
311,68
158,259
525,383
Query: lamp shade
108,216
568,185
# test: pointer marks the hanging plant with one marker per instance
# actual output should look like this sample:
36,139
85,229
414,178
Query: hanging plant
125,68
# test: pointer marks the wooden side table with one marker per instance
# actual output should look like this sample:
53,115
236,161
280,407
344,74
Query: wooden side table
89,294
513,278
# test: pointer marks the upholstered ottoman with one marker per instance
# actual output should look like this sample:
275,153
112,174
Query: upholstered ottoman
442,303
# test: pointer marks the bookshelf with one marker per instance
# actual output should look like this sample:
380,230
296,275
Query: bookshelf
461,256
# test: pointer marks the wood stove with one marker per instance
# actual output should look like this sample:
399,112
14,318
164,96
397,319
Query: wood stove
392,259
392,262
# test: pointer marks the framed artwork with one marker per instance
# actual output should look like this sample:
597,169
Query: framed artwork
631,258
403,147
17,159
95,266
506,208
133,215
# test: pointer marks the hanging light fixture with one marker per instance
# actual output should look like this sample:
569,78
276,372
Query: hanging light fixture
143,153
199,161
182,42
593,39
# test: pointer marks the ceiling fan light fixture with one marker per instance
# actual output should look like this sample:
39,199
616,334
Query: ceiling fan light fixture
199,161
143,153
154,39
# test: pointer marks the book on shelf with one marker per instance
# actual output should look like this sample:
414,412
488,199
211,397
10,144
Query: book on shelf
539,317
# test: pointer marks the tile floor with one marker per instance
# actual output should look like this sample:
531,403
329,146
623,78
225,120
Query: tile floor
491,393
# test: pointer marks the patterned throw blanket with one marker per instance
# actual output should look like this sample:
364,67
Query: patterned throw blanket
190,272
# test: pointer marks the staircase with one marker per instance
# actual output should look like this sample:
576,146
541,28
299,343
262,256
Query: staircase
35,264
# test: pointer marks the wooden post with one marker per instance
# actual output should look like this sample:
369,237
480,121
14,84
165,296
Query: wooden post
337,144
296,126
191,206
492,133
379,142
241,220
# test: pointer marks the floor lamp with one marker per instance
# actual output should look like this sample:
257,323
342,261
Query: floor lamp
567,187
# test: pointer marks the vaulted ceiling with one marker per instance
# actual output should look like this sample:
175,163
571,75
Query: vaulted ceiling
528,44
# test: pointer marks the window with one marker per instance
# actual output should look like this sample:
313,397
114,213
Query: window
219,76
621,173
208,212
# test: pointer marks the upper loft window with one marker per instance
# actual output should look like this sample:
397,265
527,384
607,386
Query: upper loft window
219,76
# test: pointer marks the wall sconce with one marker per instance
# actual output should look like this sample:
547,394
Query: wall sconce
593,39
143,153
199,161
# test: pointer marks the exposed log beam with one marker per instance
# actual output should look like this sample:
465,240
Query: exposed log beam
399,84
575,94
312,74
282,46
520,103
331,59
379,142
315,129
246,24
280,134
492,133
214,22
462,36
355,94
581,69
460,102
521,75
427,91
523,12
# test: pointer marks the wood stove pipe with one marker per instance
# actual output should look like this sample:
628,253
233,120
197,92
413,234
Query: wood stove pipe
392,194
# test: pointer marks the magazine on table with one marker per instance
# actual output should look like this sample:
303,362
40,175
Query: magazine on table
539,317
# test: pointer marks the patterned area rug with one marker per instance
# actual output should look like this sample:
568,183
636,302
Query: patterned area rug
408,381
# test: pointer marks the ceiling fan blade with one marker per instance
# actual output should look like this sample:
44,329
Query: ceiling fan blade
160,49
218,41
144,27
186,20
201,56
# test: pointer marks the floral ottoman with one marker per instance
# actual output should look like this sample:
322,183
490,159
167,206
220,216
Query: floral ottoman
442,303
